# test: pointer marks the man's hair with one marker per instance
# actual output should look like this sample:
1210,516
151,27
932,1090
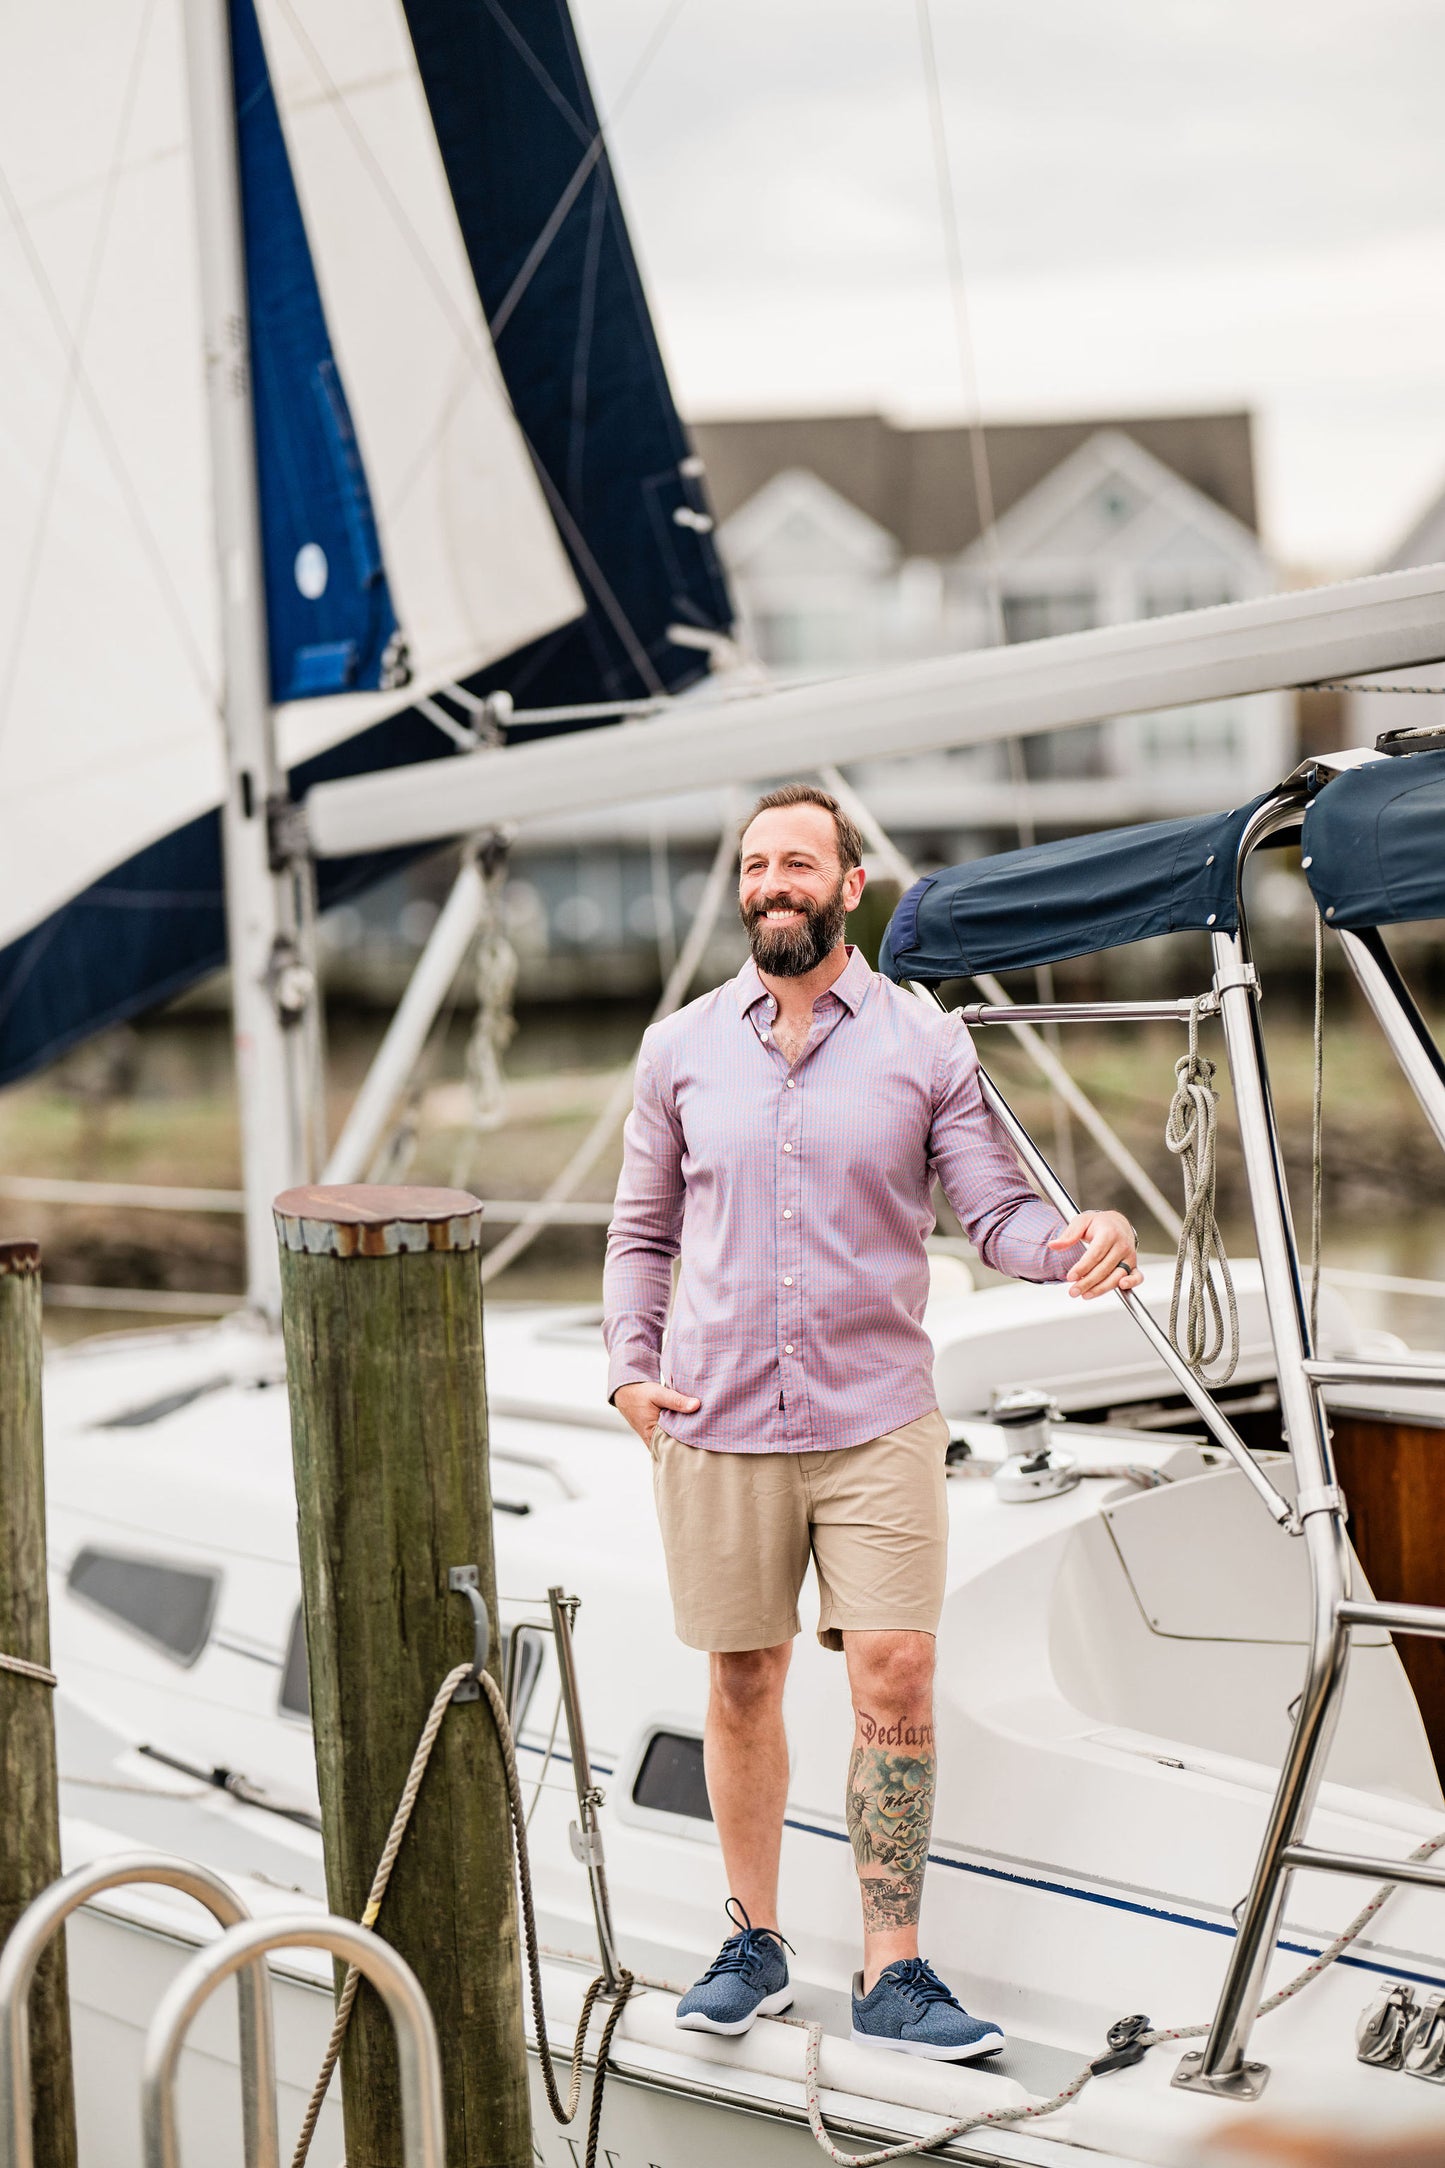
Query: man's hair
850,841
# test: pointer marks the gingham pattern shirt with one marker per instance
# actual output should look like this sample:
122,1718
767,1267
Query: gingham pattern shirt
798,1201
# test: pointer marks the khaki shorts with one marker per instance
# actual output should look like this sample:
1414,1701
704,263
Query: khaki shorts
738,1530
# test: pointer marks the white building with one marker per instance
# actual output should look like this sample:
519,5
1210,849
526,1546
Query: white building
1370,713
850,543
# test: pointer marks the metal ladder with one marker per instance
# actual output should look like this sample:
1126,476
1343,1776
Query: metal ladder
1222,2066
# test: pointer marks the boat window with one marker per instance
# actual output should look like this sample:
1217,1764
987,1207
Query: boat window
295,1696
670,1776
521,1668
169,1606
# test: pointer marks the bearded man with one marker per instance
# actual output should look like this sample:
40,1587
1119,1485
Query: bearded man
786,1133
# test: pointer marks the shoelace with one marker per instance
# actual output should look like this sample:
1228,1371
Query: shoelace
745,1951
916,1978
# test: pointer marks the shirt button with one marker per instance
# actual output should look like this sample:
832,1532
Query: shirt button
787,1147
787,1212
787,1283
788,1349
792,1087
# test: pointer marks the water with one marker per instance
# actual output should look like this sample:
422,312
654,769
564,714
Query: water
156,1105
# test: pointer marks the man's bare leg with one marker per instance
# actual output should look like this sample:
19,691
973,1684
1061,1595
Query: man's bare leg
745,1753
890,1787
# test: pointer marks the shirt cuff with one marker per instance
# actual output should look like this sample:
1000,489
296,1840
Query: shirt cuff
626,1370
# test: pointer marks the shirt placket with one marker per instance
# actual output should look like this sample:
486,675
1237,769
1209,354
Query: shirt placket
789,1188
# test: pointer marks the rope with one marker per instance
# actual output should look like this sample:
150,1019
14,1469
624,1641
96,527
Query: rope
1317,1137
1191,1133
379,1880
1342,685
1034,2111
24,1669
492,1694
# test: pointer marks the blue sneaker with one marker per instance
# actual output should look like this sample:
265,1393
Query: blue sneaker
912,2011
748,1978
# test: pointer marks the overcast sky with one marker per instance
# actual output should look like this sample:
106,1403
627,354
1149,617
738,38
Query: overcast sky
1165,205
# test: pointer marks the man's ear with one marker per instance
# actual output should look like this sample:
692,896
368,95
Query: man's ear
853,888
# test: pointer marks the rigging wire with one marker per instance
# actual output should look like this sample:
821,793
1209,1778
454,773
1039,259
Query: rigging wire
78,385
984,502
962,324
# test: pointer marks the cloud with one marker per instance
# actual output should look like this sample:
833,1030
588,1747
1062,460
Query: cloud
1185,202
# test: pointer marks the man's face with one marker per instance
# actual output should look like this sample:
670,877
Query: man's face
793,895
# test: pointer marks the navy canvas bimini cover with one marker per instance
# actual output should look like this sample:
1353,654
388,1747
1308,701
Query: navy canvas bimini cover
1374,843
1055,900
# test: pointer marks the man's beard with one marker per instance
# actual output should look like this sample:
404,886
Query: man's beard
790,952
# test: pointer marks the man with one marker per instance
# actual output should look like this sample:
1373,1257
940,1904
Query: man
784,1139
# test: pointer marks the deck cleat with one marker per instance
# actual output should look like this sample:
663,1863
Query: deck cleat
1380,2034
1422,2050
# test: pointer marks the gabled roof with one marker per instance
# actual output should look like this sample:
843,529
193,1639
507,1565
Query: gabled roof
918,483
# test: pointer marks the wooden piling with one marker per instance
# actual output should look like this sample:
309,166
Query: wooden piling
30,1819
382,1310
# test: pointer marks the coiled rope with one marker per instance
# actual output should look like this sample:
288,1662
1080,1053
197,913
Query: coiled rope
492,1694
1034,2111
1210,1341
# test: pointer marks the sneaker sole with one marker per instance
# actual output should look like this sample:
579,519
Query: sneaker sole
989,2045
699,2021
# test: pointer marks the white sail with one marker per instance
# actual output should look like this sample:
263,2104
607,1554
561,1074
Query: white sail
109,652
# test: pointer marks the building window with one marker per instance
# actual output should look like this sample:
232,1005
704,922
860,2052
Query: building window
1066,754
171,1607
1041,617
670,1777
1165,598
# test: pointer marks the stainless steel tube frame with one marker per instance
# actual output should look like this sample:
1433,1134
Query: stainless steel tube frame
1198,1395
31,1936
244,1948
588,1840
1221,2068
1404,1027
1085,1012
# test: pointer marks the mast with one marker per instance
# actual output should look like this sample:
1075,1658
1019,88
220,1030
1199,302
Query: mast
272,987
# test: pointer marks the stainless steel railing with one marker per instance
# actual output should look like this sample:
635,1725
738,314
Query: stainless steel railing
27,1944
243,1949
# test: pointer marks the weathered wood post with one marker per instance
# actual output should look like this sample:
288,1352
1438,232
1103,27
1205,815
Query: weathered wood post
29,1797
382,1308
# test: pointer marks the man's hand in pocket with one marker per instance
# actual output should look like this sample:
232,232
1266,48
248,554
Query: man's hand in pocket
644,1404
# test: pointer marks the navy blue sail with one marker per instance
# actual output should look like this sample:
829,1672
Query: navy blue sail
329,617
515,121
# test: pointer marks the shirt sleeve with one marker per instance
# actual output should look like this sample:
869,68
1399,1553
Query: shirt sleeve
1006,1221
645,1234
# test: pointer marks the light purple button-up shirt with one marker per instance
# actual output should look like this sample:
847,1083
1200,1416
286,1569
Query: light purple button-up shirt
799,1200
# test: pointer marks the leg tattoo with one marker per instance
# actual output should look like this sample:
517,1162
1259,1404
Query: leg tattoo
890,1814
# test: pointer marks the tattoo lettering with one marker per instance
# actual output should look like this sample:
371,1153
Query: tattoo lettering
890,1814
899,1734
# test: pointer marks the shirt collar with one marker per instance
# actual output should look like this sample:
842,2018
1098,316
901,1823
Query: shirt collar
850,986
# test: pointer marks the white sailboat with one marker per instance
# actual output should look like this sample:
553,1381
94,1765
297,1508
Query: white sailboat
1108,1774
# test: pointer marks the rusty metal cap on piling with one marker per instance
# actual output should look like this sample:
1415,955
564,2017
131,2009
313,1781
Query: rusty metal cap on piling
372,1219
19,1257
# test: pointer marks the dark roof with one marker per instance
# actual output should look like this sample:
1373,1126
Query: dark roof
918,483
